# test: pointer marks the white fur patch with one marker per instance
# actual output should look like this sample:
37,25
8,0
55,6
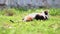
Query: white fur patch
31,15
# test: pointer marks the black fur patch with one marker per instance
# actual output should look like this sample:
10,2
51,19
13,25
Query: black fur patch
46,12
39,17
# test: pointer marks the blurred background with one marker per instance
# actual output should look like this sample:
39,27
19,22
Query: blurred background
29,3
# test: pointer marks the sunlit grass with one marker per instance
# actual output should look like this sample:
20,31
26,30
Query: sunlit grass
50,26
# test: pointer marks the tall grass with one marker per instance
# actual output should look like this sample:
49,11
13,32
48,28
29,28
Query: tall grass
52,11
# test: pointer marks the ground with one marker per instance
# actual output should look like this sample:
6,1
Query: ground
50,26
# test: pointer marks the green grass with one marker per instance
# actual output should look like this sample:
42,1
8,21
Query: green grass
50,26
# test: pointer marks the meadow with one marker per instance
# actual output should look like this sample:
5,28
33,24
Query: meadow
50,26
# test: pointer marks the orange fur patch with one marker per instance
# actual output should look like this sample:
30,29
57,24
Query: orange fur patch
29,18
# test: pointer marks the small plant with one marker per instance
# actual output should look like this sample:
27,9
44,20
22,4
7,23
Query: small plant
8,12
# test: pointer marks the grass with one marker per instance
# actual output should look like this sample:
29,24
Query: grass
50,26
